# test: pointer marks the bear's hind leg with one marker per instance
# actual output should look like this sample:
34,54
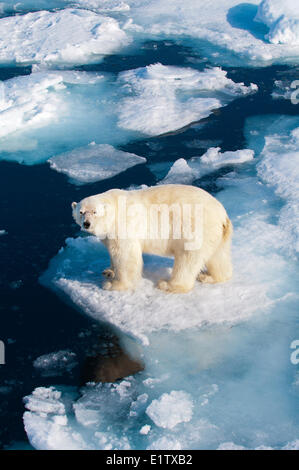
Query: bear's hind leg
219,266
184,273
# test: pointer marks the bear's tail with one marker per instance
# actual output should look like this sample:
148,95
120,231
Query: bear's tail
227,230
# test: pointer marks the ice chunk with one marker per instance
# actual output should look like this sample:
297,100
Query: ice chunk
180,172
171,409
186,172
3,232
94,163
214,159
282,19
55,363
145,429
165,98
69,36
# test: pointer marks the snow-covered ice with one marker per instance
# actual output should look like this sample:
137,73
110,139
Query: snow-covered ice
35,107
165,98
276,138
225,31
28,102
283,20
187,172
94,163
171,409
65,37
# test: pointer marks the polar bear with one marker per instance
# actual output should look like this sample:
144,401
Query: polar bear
180,221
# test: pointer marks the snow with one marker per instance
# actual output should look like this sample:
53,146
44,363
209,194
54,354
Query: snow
69,36
171,409
95,162
165,98
187,172
283,20
56,363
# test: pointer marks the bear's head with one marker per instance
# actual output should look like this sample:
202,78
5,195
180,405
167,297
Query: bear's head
95,215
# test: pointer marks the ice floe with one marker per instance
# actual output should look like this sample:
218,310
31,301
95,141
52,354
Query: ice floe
28,102
94,163
225,31
165,98
187,172
35,107
171,409
66,37
283,20
276,138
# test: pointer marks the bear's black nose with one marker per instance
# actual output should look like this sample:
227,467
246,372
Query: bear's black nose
86,224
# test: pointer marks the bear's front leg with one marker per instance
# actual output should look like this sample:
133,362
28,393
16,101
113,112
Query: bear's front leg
126,259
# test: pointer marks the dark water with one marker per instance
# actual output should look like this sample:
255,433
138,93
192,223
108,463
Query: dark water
35,211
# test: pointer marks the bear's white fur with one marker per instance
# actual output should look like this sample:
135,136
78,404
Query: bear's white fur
209,261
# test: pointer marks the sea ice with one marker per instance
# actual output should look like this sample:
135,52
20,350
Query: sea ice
171,409
222,30
66,37
165,98
283,20
94,163
225,31
187,172
35,107
276,138
56,363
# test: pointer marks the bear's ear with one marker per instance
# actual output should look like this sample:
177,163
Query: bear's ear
74,204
